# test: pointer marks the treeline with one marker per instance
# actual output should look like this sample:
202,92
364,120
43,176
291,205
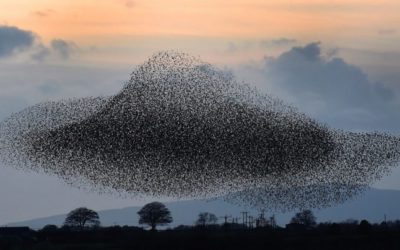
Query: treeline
347,226
343,235
82,230
157,214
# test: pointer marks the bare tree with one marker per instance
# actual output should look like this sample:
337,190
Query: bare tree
205,219
154,214
305,218
82,217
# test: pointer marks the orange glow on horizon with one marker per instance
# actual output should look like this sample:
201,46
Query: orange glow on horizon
90,19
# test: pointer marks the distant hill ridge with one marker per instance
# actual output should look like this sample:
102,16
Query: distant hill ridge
372,205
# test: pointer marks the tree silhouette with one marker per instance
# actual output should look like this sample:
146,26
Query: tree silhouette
305,218
49,228
82,217
365,226
153,214
205,219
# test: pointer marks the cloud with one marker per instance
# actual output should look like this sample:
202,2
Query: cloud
387,31
278,42
43,13
40,13
329,89
41,53
28,46
58,49
63,48
305,70
13,39
130,4
234,47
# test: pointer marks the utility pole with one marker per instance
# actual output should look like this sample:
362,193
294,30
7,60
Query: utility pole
261,219
262,213
244,218
251,221
273,221
226,218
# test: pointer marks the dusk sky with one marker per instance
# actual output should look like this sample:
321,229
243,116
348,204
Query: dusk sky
337,61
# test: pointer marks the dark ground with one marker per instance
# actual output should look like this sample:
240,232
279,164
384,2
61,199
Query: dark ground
324,236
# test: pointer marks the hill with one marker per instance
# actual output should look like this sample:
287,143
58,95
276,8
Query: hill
372,205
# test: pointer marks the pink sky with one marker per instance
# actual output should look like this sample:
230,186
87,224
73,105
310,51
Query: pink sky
342,22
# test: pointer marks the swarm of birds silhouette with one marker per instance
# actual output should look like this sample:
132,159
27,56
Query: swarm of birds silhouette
182,128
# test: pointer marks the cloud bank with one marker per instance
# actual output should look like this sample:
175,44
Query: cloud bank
13,39
328,88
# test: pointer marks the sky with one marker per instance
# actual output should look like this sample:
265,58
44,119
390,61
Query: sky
338,61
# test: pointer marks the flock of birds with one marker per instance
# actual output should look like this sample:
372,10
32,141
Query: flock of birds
182,128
